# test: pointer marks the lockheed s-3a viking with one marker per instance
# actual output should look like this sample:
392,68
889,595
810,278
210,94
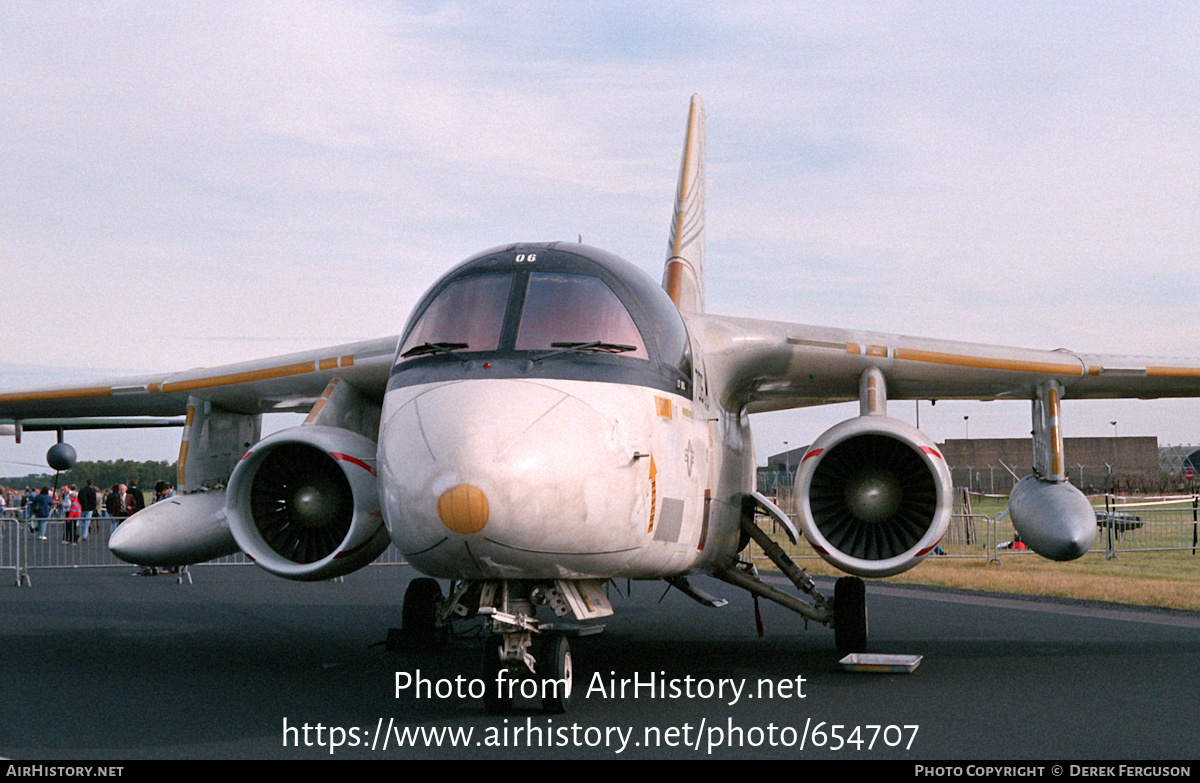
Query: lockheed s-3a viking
551,418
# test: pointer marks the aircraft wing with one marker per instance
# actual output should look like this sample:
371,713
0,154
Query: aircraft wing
767,365
291,382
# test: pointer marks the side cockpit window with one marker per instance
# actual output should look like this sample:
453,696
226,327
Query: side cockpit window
563,310
468,315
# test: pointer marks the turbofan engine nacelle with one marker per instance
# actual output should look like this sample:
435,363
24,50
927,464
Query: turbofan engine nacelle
875,496
304,503
1054,519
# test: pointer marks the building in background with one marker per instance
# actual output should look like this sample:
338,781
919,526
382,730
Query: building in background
1132,463
993,465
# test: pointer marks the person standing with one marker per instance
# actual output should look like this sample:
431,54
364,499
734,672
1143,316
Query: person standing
136,500
114,505
27,506
41,506
71,512
88,502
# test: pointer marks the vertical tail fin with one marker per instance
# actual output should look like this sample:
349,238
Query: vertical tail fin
683,273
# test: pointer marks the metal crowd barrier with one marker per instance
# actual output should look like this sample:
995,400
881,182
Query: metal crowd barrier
22,551
969,536
12,525
1137,529
1120,529
1125,528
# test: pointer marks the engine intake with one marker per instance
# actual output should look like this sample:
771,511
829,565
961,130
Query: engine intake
304,503
875,496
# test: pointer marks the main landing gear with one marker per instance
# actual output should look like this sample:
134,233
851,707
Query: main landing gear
421,614
850,615
847,613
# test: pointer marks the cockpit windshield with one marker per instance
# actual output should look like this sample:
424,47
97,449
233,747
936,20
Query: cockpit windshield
467,315
564,310
546,311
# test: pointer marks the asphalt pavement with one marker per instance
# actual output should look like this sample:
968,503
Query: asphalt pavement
239,664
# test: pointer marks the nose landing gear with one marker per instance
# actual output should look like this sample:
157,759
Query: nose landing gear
523,656
548,675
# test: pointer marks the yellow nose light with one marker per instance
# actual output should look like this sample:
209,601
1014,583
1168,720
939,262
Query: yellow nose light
463,509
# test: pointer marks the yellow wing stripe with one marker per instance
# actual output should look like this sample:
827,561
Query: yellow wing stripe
282,371
1173,372
982,362
57,394
267,373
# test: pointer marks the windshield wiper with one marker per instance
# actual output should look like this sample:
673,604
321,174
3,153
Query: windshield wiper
595,346
426,348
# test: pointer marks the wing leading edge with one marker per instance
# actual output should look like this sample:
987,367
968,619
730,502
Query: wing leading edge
291,382
767,365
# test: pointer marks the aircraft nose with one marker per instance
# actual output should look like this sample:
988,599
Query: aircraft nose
505,469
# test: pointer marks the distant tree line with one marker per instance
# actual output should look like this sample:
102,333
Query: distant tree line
102,474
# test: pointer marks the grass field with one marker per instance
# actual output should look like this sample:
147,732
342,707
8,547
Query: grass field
1163,579
1167,579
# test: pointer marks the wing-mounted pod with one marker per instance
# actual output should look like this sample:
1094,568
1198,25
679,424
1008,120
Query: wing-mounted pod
191,527
875,493
1052,517
304,502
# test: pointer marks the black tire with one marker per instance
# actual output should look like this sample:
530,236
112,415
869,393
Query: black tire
850,615
555,668
420,611
496,696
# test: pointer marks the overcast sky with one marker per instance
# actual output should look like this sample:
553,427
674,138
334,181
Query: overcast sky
189,184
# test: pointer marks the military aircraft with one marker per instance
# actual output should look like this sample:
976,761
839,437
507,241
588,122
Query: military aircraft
551,418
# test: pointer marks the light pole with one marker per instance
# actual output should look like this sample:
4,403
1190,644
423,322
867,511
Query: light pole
1114,443
787,479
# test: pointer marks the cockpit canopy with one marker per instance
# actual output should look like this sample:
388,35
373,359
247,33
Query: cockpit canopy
547,310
